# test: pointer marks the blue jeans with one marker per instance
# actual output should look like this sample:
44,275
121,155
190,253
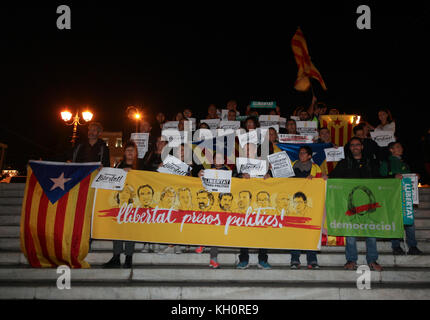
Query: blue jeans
351,250
410,238
311,256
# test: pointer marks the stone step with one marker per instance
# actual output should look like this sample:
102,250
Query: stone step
10,210
12,186
424,197
10,220
384,246
422,234
424,204
230,259
9,231
4,193
180,273
422,213
220,290
10,201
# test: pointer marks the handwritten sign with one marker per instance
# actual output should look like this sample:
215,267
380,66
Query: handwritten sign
281,165
173,165
217,180
254,167
110,178
334,154
383,138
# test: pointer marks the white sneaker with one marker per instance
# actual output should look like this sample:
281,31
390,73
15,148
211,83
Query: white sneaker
168,249
146,247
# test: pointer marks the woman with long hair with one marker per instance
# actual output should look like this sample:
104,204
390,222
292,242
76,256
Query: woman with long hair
128,162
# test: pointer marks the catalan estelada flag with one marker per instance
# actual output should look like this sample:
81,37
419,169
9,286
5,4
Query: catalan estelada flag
340,127
56,213
306,68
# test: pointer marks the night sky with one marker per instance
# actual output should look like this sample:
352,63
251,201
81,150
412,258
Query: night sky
168,58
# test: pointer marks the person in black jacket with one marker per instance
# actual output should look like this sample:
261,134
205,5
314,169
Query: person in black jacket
356,165
128,195
370,148
94,149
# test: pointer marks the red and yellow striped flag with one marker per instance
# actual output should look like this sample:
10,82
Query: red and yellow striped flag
305,66
57,232
340,127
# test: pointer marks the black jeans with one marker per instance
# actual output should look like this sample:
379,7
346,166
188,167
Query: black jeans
244,255
118,247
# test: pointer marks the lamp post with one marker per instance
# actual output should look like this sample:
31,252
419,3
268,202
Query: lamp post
67,116
134,113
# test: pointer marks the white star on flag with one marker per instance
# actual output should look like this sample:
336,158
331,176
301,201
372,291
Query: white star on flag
59,182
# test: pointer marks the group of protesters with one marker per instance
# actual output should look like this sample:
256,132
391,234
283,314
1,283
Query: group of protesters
363,159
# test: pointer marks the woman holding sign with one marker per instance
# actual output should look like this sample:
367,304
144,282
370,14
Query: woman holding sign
128,162
304,168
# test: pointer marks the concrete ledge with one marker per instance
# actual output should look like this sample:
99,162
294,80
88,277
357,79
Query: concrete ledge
10,209
183,292
196,275
231,258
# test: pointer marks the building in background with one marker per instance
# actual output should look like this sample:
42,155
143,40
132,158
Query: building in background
114,142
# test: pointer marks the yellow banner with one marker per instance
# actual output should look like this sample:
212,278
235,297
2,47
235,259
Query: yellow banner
279,213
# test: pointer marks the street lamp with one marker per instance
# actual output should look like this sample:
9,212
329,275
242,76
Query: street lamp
67,116
134,113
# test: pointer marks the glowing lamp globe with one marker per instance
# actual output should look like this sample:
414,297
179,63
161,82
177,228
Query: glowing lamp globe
87,115
66,115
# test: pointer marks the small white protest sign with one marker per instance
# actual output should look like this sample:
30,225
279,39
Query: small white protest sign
110,178
217,180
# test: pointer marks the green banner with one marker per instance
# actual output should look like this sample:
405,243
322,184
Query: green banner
407,201
364,208
263,104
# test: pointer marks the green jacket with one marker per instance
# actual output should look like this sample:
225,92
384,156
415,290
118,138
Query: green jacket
392,166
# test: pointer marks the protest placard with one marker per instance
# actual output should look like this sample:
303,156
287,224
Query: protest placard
217,180
308,128
173,165
212,123
254,167
171,125
110,178
248,137
282,122
229,124
174,137
281,165
141,140
295,138
224,114
414,179
334,154
382,138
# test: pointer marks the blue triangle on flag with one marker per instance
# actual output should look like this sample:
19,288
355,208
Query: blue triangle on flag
318,154
57,178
